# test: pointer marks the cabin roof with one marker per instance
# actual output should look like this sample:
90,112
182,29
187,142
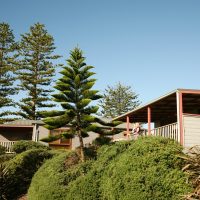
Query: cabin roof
22,123
164,107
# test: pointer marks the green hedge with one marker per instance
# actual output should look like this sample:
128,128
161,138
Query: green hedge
148,168
51,180
102,140
88,187
2,150
20,170
6,157
24,145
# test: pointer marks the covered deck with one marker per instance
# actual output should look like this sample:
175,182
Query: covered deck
18,130
10,133
168,115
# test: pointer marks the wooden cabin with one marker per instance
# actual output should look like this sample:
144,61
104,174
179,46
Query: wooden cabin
175,115
30,130
34,130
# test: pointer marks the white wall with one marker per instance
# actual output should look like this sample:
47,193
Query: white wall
191,127
43,132
92,136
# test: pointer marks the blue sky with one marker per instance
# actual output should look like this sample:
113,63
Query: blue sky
151,45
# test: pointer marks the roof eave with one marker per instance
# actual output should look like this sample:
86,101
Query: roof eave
146,105
15,126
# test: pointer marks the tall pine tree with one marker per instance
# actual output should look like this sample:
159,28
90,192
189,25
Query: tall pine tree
36,71
75,96
7,67
118,100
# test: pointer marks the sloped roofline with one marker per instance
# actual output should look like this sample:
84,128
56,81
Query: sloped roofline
23,123
153,101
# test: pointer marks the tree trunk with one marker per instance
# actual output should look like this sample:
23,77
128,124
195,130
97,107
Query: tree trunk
81,146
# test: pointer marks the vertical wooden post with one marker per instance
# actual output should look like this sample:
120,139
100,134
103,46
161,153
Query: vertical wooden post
179,105
34,133
127,126
149,120
181,117
178,115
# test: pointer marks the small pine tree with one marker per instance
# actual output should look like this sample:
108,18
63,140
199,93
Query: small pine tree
7,67
36,71
118,100
75,95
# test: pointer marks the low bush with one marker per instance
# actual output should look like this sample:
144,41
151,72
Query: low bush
2,150
51,180
6,157
148,168
20,170
192,168
24,145
89,152
89,185
102,140
3,184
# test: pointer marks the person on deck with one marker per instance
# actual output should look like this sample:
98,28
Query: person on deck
136,131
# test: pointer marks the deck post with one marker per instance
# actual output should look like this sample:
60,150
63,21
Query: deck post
35,136
149,119
179,104
127,126
181,117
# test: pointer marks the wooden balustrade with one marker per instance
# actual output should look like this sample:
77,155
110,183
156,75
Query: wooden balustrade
168,131
8,145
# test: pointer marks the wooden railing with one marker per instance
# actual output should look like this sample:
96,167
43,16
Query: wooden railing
8,145
168,131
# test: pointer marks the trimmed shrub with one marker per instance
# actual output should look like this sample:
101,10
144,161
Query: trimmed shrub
20,170
147,168
88,186
4,186
192,167
2,150
102,140
24,145
89,152
6,157
51,180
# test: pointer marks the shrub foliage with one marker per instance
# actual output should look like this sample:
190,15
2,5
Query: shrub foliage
17,173
192,168
24,145
51,180
2,150
148,168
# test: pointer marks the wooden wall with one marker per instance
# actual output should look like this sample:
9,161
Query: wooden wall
191,127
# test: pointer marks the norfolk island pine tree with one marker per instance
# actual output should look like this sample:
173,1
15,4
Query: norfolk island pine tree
75,96
36,71
117,100
8,65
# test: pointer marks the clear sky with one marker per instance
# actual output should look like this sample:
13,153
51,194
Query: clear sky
151,45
